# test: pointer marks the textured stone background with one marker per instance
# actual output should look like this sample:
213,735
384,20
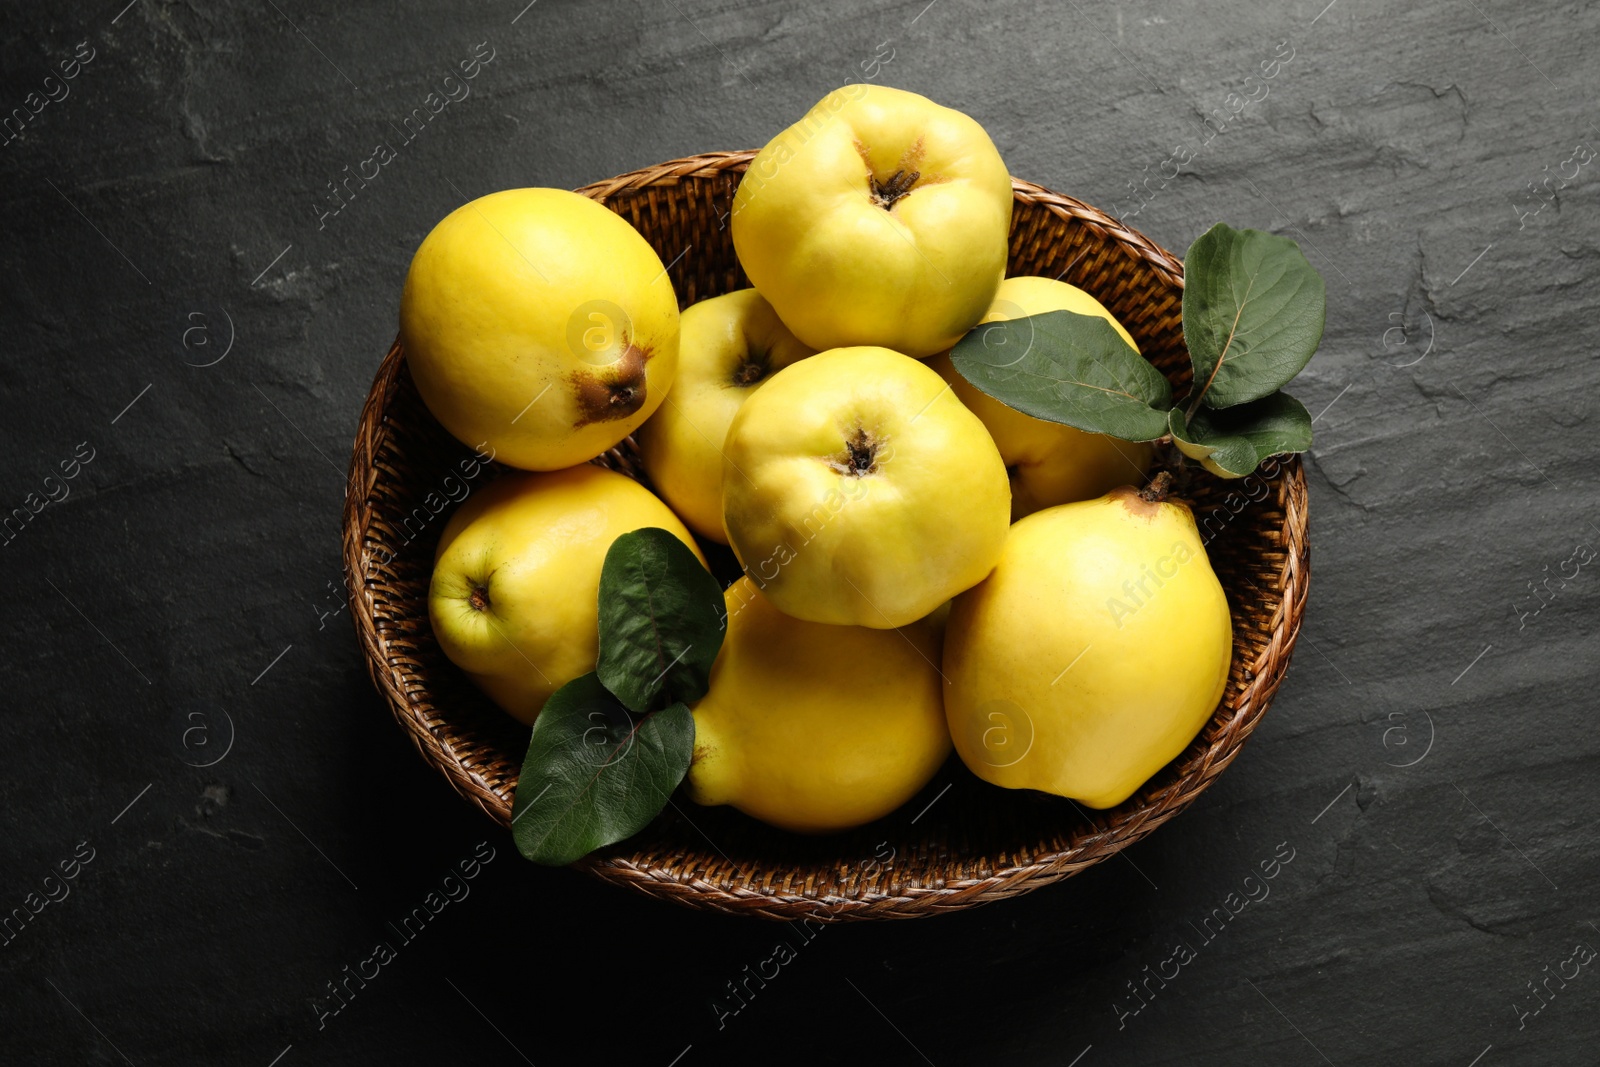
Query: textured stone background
170,202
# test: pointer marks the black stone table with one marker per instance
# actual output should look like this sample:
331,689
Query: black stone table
192,319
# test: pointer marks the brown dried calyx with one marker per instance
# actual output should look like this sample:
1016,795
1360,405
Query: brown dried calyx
752,370
892,188
617,394
860,456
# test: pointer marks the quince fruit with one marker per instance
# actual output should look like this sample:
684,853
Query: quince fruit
858,491
880,218
515,597
816,728
1093,654
728,347
540,324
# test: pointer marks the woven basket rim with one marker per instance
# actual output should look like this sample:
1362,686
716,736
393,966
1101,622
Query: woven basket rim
1114,829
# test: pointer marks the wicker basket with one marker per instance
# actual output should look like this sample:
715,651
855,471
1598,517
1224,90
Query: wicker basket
961,842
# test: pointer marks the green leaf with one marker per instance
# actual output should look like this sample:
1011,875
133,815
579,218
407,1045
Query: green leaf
660,620
1069,368
1253,311
594,774
1232,443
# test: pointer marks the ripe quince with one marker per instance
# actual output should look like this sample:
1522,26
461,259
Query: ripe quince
880,218
816,728
516,579
1093,654
858,491
729,346
540,324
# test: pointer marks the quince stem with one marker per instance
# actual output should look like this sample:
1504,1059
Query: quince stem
1156,491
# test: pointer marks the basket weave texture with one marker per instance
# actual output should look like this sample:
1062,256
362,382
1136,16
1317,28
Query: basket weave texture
961,842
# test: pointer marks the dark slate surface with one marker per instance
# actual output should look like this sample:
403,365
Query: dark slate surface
171,200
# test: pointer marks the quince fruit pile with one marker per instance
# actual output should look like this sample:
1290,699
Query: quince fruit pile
922,566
